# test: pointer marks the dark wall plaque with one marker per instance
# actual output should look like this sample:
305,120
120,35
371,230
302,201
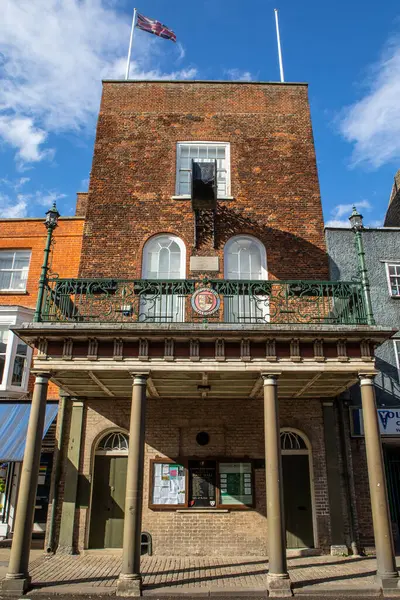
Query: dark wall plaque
202,483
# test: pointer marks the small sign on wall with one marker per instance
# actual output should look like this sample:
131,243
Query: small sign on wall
204,263
388,419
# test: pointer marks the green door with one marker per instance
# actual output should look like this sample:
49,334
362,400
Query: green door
297,499
108,501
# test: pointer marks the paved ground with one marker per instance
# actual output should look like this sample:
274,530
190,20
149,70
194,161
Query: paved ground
97,573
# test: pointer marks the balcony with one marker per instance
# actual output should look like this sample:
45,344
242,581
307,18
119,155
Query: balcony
203,301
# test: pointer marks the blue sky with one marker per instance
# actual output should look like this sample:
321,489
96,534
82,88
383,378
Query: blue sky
54,53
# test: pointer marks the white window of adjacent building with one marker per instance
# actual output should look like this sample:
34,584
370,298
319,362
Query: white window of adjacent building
14,367
14,267
393,275
3,352
397,352
201,152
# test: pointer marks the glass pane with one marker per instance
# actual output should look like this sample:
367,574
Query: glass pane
236,484
18,370
391,270
163,267
184,189
17,281
6,260
20,262
203,152
184,150
5,280
175,265
221,151
185,163
212,152
244,264
194,151
21,349
2,363
233,265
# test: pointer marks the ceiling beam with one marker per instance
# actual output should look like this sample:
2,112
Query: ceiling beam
307,385
152,388
101,385
64,387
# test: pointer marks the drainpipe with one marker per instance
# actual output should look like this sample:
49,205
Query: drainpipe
57,473
344,450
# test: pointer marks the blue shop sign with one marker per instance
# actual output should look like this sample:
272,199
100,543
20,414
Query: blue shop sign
388,419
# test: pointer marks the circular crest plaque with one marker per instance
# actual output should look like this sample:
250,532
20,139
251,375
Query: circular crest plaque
205,301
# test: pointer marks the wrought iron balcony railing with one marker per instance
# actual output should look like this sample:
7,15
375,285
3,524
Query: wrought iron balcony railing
206,301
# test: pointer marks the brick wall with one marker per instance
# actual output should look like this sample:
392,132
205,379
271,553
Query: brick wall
171,428
274,181
30,234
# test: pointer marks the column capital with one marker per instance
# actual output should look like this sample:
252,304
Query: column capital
42,377
366,378
139,378
270,378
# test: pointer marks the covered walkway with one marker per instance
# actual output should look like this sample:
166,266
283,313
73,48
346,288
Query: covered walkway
97,573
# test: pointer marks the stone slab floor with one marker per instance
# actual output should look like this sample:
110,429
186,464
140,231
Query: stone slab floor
97,572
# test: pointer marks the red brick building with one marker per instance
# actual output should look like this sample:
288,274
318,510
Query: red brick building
202,345
22,242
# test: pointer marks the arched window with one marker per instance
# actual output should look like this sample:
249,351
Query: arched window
164,257
245,259
116,442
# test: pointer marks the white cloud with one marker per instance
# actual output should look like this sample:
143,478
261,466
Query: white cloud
11,208
54,55
238,75
372,124
21,134
345,210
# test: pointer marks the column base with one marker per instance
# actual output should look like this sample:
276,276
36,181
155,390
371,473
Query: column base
15,585
129,585
388,581
279,586
339,550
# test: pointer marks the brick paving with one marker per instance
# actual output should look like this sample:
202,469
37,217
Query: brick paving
98,573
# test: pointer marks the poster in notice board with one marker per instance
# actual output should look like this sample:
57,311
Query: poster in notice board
169,484
236,484
202,483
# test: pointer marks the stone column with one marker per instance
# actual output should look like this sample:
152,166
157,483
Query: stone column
278,578
18,580
386,566
65,540
130,579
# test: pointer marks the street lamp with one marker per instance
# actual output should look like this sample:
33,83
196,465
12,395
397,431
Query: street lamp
50,223
356,222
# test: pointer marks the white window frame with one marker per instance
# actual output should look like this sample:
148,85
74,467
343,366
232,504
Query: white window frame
15,252
396,344
172,238
247,309
225,145
11,317
393,263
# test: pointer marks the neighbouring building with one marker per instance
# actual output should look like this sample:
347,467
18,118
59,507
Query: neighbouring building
381,246
22,242
203,343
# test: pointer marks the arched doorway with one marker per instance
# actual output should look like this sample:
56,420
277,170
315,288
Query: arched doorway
297,489
108,491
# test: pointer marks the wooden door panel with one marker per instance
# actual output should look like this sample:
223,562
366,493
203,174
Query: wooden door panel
297,499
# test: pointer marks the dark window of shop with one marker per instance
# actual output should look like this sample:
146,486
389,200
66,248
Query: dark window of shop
195,483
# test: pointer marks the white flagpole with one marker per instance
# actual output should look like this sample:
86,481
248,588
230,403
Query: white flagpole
278,37
128,62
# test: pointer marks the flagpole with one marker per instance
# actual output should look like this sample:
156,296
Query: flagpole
128,62
278,37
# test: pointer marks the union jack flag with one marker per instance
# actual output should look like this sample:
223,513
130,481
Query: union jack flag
153,26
